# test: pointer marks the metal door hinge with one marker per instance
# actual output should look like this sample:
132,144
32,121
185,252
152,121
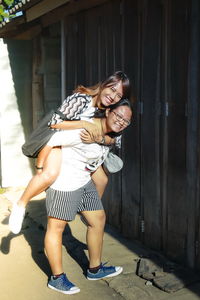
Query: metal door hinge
140,107
166,109
142,226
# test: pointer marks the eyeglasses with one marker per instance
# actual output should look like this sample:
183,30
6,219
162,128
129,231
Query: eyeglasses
120,119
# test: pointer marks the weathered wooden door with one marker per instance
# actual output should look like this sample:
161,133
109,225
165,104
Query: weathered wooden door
155,197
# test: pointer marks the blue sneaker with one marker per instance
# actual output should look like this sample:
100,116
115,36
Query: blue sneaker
104,272
63,285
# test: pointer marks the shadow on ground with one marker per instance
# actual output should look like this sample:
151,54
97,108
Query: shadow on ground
34,228
155,268
151,265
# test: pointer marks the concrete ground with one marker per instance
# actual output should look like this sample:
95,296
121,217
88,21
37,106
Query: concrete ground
24,268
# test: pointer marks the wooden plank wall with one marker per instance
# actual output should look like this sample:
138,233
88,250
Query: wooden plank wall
176,184
155,199
48,71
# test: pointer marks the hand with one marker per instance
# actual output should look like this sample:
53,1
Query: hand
94,130
86,137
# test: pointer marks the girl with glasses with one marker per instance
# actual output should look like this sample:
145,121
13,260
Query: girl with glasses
78,109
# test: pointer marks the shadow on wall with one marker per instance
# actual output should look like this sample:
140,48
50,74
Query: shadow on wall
20,57
18,102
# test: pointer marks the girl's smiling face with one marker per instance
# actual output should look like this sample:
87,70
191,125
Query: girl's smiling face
118,119
111,94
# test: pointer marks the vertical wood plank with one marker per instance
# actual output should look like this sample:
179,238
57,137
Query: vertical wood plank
193,137
111,35
150,123
51,50
71,54
81,50
37,83
177,125
130,213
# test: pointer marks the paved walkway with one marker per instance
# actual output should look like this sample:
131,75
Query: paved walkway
24,268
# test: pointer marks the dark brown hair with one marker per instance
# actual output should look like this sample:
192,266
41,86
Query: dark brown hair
95,90
102,114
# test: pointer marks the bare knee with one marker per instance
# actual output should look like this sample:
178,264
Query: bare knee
99,177
101,182
104,180
51,173
98,222
56,227
49,176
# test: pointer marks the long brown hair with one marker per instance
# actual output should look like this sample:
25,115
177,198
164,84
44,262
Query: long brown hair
96,89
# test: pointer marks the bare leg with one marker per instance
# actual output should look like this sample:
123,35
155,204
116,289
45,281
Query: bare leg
96,220
97,271
53,244
37,184
41,181
100,180
43,154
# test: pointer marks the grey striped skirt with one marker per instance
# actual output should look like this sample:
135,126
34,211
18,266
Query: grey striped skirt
65,205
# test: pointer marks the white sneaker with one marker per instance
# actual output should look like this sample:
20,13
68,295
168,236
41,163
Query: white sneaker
16,218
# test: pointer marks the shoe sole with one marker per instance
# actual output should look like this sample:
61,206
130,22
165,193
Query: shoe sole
64,292
107,276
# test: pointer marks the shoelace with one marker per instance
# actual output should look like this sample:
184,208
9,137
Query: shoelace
67,282
104,268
